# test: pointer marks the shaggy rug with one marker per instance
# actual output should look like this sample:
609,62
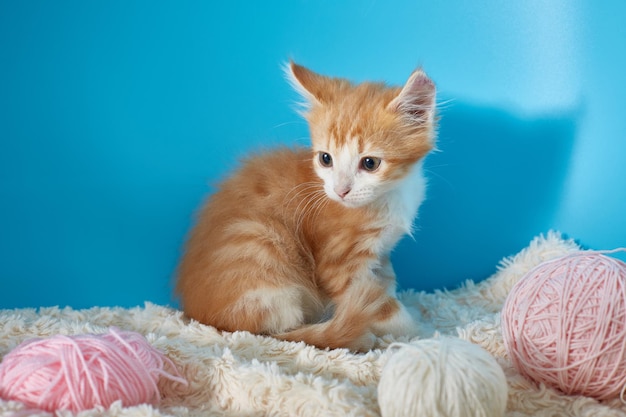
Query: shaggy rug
240,374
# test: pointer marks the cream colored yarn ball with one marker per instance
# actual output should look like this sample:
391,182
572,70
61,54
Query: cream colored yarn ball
445,377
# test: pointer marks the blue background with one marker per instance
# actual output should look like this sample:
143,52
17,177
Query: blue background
117,116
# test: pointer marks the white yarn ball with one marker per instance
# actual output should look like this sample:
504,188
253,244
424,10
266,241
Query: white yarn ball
445,377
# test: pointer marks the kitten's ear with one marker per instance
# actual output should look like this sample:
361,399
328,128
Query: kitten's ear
417,99
312,86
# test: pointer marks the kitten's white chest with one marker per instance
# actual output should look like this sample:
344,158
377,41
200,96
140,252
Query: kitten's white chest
402,206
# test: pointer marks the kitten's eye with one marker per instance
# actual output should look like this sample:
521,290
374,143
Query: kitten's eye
370,163
326,160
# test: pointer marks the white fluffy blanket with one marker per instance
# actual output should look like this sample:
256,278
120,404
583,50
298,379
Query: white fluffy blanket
240,374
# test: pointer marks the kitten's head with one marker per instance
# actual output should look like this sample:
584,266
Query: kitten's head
366,137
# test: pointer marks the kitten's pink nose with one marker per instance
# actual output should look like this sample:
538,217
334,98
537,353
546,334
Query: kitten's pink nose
342,191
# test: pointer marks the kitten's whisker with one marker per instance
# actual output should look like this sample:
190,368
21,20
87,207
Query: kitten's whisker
297,193
303,139
310,207
321,203
436,166
441,177
444,104
298,190
304,185
317,202
292,122
303,210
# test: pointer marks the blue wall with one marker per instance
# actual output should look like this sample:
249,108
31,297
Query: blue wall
116,116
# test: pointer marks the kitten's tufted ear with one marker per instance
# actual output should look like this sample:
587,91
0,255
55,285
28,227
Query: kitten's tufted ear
313,87
416,99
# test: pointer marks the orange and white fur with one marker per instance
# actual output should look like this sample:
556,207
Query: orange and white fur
296,243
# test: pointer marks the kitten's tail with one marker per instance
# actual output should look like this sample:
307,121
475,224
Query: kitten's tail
350,326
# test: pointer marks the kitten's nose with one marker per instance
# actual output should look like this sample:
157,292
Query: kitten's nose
342,191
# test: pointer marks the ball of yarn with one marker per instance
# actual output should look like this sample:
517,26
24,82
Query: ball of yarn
564,324
445,377
80,372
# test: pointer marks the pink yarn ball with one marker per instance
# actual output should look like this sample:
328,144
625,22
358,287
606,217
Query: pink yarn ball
80,372
564,324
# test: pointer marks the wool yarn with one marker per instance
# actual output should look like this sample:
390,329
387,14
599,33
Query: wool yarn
80,372
447,377
564,324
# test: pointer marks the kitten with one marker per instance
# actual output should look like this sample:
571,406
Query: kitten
297,235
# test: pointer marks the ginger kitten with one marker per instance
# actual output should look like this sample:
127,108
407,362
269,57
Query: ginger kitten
296,243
